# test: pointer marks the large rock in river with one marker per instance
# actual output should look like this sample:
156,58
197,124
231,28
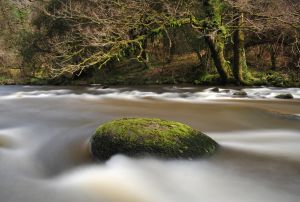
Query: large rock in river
144,136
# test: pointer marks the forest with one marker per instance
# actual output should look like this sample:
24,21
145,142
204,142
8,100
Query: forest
205,42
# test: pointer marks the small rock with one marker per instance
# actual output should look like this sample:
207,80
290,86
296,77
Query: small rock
284,96
81,83
216,90
240,94
225,91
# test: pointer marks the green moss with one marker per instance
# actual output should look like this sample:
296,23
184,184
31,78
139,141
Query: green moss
208,79
272,78
138,136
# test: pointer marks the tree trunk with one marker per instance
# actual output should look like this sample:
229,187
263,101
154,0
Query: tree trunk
273,58
144,54
239,60
215,36
169,45
217,54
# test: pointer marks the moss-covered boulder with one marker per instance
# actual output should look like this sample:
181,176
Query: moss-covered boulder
143,136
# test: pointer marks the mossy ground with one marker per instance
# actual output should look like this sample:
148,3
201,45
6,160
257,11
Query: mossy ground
139,136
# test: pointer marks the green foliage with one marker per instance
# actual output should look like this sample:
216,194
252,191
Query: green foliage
3,80
208,79
21,14
7,79
273,78
214,10
14,22
37,81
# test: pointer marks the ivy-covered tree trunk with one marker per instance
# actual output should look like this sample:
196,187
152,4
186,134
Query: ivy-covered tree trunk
239,60
215,36
217,54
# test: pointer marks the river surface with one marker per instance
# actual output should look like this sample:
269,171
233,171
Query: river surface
45,131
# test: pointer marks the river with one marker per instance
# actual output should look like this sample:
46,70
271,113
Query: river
45,131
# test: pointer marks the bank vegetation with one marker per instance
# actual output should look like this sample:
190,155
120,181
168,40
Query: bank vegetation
240,42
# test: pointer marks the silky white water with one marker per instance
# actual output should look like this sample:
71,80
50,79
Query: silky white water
44,153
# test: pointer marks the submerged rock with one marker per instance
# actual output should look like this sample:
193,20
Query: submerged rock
144,136
240,93
285,96
105,87
216,90
225,91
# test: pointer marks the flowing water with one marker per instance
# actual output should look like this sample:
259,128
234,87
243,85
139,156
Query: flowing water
44,152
